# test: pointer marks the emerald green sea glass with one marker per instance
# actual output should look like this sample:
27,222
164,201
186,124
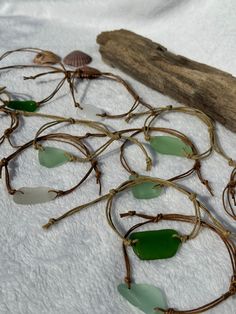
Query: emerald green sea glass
157,244
51,157
24,105
143,296
170,145
146,190
36,195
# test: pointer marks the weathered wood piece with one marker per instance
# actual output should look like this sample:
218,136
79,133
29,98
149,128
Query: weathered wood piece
189,82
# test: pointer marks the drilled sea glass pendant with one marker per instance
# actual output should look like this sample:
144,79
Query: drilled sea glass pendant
24,105
170,145
157,244
36,195
51,157
146,190
143,296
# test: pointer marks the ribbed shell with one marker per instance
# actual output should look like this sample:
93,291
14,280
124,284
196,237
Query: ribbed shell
46,57
77,59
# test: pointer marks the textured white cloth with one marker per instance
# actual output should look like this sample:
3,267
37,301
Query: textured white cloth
75,266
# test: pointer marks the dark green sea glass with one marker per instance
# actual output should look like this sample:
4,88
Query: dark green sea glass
23,105
170,145
144,297
157,244
51,157
146,190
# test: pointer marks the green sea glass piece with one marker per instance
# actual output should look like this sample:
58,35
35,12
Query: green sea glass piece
146,190
36,195
170,145
51,157
145,297
157,244
24,105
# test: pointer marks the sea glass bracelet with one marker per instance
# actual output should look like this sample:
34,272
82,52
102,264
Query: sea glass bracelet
177,144
164,243
48,157
84,72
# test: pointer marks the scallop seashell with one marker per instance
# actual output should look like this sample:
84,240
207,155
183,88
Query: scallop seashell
77,59
46,57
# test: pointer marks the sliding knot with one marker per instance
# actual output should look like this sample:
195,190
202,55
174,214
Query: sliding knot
71,120
132,212
113,192
148,163
116,136
170,311
232,163
192,196
158,218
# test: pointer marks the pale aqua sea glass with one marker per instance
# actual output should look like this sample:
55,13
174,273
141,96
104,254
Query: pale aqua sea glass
51,157
170,145
145,297
146,190
35,195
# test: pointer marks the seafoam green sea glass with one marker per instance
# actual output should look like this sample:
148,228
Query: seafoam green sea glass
170,145
24,105
146,190
143,296
36,195
51,157
157,244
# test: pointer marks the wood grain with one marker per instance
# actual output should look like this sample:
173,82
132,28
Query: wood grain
187,81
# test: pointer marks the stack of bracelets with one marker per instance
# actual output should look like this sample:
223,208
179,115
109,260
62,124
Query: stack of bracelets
147,245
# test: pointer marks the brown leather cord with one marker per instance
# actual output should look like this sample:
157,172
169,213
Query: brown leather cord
188,219
62,137
229,196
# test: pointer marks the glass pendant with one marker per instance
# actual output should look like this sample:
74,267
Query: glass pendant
143,296
51,157
170,145
36,195
24,105
157,244
146,190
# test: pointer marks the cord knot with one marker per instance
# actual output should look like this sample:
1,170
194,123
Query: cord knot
3,162
232,163
129,242
158,218
71,120
116,136
128,281
169,107
113,192
7,132
51,222
232,287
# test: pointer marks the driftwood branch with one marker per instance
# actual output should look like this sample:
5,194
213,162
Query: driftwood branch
189,82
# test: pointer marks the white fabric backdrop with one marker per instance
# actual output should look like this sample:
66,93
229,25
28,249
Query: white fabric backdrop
76,266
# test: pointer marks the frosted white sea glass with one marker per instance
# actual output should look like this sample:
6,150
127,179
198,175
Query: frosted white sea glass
35,195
